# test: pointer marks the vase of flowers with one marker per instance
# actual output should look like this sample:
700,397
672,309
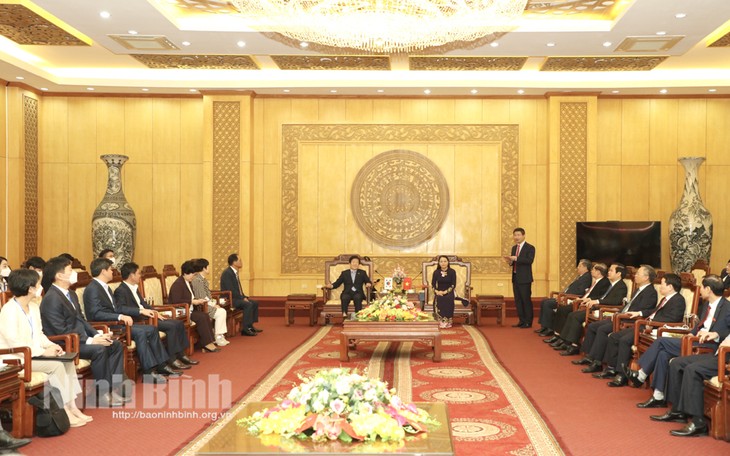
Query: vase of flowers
398,275
394,306
340,405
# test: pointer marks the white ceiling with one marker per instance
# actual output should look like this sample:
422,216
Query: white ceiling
692,68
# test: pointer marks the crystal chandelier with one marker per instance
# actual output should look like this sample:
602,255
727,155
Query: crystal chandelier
382,26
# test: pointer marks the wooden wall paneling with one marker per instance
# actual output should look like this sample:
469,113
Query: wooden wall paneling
335,201
303,110
138,184
166,130
489,213
718,132
357,155
440,111
476,199
467,111
663,199
332,110
15,223
444,156
82,129
542,227
663,132
414,111
609,131
81,206
524,113
359,110
53,134
386,111
54,217
692,127
608,197
191,131
276,112
271,217
192,218
167,223
634,194
110,130
138,131
542,133
528,198
4,196
716,202
495,111
310,185
635,120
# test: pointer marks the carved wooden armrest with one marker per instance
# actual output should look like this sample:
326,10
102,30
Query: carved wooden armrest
646,326
663,330
605,309
25,351
125,332
70,343
173,308
621,321
722,366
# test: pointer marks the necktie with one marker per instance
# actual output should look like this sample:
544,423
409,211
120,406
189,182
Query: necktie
517,253
607,291
631,301
73,304
240,288
707,320
588,291
658,308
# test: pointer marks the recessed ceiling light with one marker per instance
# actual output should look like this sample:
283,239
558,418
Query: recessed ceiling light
333,91
712,90
45,89
427,91
186,43
663,91
193,90
615,91
241,44
132,32
607,44
381,90
105,14
550,44
304,44
89,88
287,90
661,33
145,90
20,78
494,44
520,91
680,15
474,91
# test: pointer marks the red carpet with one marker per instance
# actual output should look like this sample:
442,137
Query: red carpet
586,416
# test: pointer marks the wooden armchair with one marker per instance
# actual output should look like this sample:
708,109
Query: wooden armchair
33,383
332,309
601,312
699,270
234,317
463,286
5,296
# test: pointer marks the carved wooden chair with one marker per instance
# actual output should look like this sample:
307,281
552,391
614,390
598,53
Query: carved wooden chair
5,296
699,270
332,309
608,311
463,286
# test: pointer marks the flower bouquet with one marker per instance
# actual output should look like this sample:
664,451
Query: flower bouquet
340,404
392,307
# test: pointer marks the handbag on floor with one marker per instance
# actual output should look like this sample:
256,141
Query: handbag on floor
50,417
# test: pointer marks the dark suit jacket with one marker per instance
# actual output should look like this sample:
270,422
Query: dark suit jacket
645,301
615,295
229,282
579,285
672,312
523,272
59,316
361,278
720,320
179,292
725,278
599,290
97,303
125,302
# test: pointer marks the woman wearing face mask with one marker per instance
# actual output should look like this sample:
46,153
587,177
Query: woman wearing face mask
109,255
4,273
20,326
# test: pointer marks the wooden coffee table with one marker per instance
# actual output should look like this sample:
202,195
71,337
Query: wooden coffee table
395,331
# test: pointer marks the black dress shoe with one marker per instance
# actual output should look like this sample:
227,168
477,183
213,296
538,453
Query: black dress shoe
634,378
8,442
594,367
584,360
608,373
154,377
559,345
547,332
652,403
526,326
248,332
540,330
518,325
188,361
167,370
177,364
690,430
551,340
670,416
619,381
572,350
256,329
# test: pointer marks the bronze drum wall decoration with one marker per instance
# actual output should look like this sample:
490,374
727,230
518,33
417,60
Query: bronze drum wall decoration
400,198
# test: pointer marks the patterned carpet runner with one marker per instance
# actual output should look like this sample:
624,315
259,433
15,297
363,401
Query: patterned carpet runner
489,414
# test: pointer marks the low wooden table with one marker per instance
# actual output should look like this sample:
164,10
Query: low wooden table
233,439
300,302
396,331
490,302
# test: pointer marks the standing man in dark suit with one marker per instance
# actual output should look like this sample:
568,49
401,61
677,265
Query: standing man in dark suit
596,339
231,281
130,302
669,310
521,258
577,287
354,280
100,306
712,327
61,314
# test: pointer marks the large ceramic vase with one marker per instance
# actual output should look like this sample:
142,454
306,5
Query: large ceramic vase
114,225
690,226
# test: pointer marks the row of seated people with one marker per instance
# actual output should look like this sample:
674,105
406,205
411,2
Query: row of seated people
609,343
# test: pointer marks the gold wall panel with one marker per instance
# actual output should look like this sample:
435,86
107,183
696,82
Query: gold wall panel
573,181
339,137
444,63
29,26
723,41
602,63
332,62
197,61
226,183
30,124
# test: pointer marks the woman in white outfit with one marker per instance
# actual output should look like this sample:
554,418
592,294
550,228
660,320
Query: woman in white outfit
201,290
20,326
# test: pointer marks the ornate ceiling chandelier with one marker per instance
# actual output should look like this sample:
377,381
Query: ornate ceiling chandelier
382,26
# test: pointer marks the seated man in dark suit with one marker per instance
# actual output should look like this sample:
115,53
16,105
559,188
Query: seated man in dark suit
644,299
618,352
61,314
686,388
725,275
573,328
100,306
354,279
577,287
712,327
230,281
130,302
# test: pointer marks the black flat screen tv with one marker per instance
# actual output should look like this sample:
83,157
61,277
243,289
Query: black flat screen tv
629,243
